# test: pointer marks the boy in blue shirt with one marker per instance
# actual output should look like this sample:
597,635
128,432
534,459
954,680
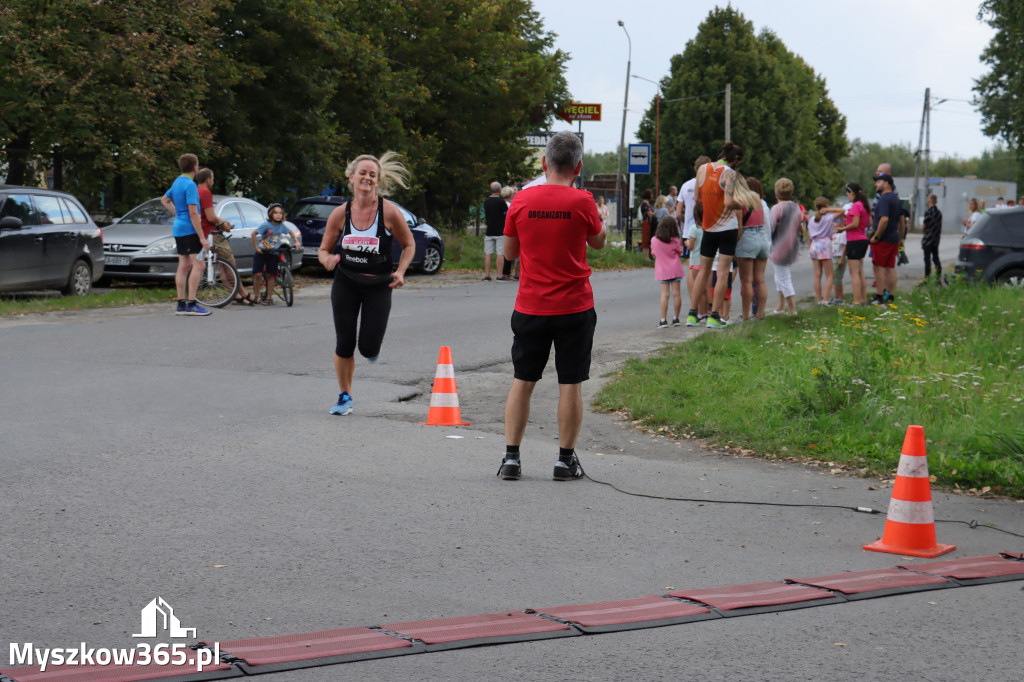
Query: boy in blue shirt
182,199
266,239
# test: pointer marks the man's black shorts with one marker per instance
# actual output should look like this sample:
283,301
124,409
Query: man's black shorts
572,336
188,244
723,243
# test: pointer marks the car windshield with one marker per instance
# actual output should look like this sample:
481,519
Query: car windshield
321,211
150,213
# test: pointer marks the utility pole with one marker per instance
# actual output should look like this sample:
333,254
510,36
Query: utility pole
728,110
917,160
927,143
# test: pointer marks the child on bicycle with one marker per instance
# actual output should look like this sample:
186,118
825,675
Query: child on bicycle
266,239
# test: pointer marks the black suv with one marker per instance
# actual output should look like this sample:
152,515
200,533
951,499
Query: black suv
47,241
310,216
993,249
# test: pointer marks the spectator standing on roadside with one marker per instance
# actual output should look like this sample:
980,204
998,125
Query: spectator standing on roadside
819,230
211,222
692,232
182,199
786,225
717,185
550,226
885,240
973,214
507,193
602,211
839,256
752,255
670,200
668,269
932,235
494,215
266,242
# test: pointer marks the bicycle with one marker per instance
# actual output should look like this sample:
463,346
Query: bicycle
219,283
285,282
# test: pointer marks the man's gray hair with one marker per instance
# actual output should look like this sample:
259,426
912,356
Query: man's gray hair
564,152
495,187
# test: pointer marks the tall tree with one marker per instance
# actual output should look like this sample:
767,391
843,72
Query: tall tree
114,88
781,112
485,73
1000,92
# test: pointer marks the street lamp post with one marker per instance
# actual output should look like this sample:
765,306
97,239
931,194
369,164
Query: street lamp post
657,135
622,137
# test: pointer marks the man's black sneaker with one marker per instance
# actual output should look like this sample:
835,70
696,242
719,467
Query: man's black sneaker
509,469
567,471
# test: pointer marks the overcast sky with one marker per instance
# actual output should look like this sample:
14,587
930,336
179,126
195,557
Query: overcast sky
877,58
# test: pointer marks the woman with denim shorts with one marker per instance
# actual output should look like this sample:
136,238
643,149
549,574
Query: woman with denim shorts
752,253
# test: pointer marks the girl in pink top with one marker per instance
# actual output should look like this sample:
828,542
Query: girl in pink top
668,269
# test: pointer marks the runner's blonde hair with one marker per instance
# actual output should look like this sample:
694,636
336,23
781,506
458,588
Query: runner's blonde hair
390,172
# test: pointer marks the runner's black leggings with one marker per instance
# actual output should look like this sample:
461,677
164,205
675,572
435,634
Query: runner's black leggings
348,297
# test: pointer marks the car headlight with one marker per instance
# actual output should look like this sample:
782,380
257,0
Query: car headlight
161,247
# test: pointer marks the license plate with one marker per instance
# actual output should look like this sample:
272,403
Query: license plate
310,250
119,260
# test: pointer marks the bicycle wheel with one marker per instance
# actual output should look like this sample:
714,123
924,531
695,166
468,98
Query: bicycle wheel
219,292
287,285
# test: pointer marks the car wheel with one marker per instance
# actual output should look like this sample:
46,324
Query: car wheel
1013,278
80,281
433,256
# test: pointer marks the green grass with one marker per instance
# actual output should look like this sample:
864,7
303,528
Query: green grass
841,385
464,251
122,295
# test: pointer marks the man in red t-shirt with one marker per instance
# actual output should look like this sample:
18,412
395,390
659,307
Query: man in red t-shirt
211,221
548,227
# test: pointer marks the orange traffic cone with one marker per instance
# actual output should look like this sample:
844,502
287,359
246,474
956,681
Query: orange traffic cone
444,401
910,525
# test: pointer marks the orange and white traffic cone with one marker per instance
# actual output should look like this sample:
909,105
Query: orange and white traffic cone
444,401
910,524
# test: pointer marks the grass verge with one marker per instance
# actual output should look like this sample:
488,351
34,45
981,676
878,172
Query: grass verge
132,294
841,385
465,251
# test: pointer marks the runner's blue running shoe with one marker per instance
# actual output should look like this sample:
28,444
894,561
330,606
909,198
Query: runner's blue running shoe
344,405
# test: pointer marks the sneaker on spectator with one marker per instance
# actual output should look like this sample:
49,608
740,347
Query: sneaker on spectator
510,470
196,309
662,323
715,322
675,321
566,471
691,319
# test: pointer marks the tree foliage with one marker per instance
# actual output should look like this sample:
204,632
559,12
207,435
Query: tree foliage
115,88
1000,92
781,113
274,95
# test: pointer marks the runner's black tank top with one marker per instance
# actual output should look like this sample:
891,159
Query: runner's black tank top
366,251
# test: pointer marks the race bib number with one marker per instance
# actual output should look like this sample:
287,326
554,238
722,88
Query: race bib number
361,244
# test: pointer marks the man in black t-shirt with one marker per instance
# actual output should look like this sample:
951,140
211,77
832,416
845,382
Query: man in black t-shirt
494,241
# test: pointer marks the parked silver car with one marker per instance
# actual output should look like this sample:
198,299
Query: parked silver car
47,241
140,245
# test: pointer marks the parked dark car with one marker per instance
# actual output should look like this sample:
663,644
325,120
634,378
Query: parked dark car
310,216
993,249
47,241
140,246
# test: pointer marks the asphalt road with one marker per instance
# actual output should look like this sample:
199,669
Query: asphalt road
146,454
